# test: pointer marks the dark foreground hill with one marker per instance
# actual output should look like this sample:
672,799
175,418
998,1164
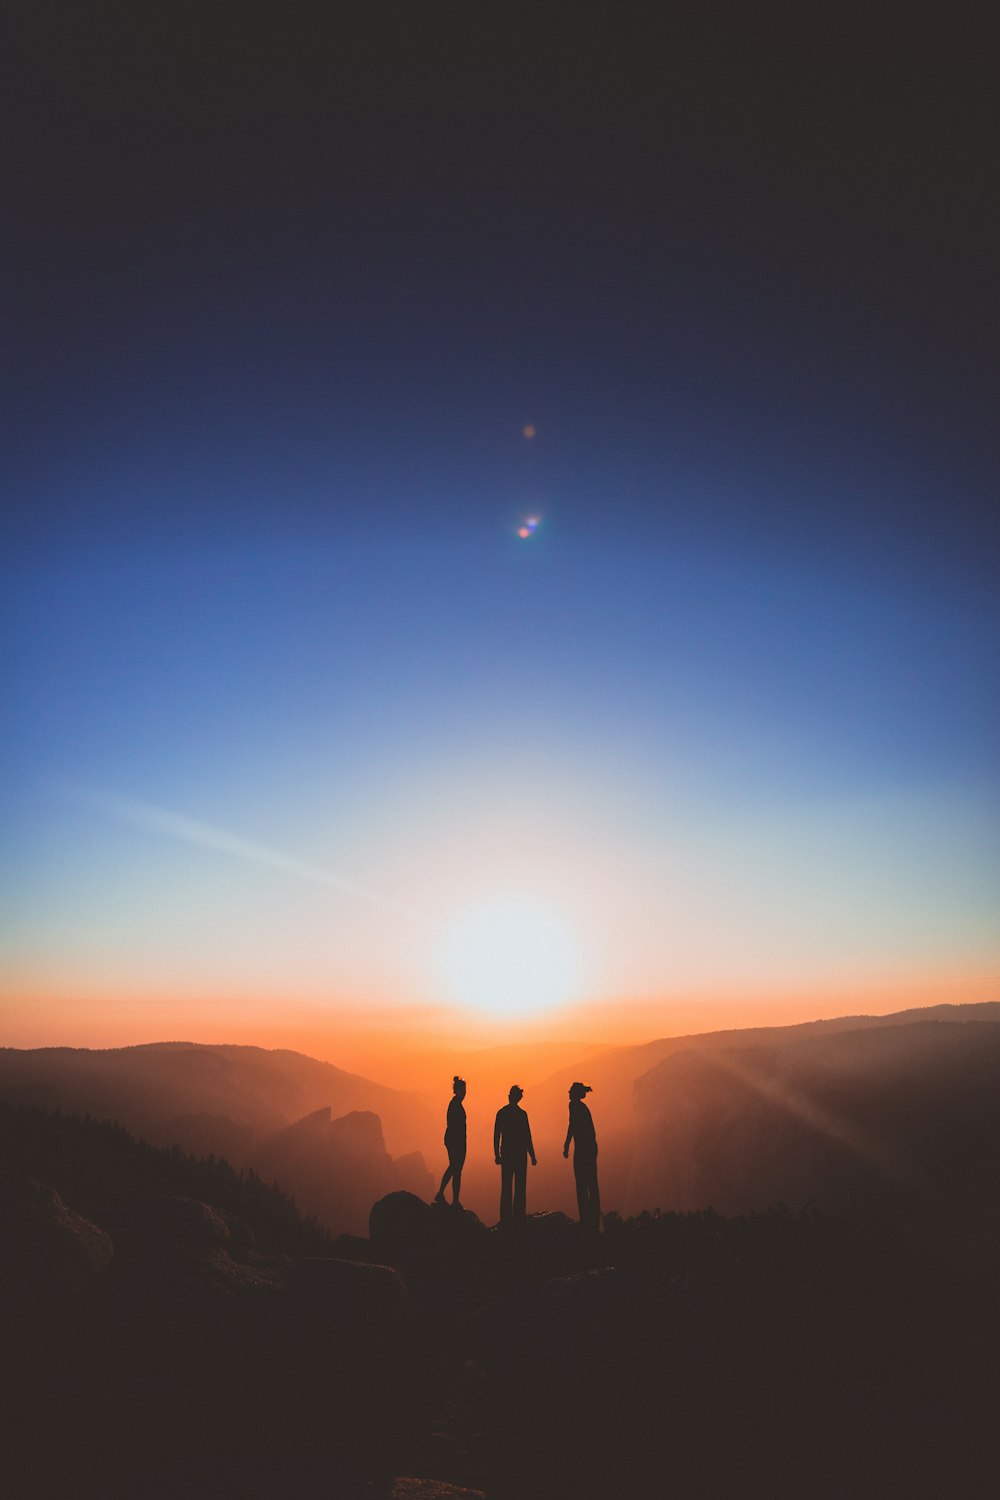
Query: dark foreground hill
103,1171
158,1351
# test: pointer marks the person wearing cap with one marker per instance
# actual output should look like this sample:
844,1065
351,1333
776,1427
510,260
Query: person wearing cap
581,1131
512,1146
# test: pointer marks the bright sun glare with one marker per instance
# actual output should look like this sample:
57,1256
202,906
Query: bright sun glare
511,958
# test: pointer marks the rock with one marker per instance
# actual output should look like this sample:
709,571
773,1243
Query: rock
177,1221
547,1229
240,1234
550,1223
351,1247
398,1221
431,1489
446,1222
49,1255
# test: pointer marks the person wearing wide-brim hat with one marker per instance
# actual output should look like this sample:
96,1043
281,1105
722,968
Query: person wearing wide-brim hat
581,1131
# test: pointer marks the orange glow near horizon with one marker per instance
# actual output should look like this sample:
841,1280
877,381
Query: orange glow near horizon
611,916
393,1043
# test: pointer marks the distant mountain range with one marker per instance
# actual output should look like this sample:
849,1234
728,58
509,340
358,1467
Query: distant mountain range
632,1130
861,1123
847,1114
239,1103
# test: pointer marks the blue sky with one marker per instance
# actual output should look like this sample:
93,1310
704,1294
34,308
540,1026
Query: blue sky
729,716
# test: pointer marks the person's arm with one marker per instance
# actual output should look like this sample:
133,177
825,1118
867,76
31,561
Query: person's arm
496,1138
531,1149
569,1132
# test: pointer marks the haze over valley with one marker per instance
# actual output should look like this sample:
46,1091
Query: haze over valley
849,1115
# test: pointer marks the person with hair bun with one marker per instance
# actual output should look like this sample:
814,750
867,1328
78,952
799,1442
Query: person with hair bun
454,1144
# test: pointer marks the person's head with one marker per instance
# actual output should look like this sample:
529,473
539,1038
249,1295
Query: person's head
458,1087
577,1090
516,1093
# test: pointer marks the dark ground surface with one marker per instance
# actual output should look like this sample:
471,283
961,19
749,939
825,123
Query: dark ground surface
168,1353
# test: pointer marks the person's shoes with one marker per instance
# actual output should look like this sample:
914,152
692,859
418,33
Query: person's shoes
439,1197
455,1204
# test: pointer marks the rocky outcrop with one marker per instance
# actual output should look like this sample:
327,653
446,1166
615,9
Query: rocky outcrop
231,1371
334,1167
410,1174
397,1221
49,1255
402,1226
179,1220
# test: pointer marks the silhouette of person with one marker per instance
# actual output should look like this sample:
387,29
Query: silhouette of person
454,1143
581,1131
512,1146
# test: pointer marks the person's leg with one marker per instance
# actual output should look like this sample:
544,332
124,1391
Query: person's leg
458,1162
595,1198
582,1196
506,1179
592,1196
439,1196
521,1188
587,1196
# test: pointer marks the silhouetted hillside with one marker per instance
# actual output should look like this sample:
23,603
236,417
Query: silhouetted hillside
101,1169
861,1123
614,1074
244,1104
204,1098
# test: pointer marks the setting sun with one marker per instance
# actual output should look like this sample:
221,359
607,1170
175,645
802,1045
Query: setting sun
511,958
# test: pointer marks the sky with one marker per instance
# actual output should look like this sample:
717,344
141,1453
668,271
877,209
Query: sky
311,315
